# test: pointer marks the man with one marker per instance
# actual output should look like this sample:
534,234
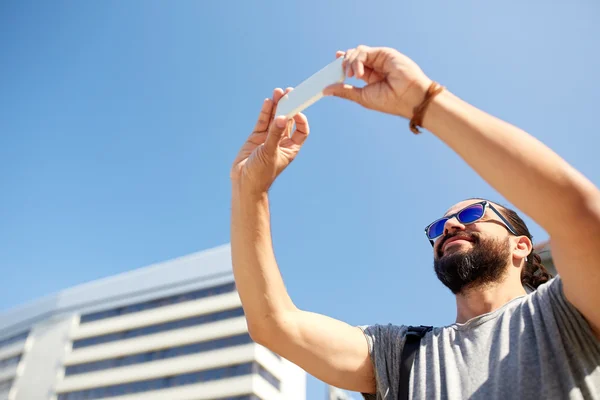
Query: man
506,343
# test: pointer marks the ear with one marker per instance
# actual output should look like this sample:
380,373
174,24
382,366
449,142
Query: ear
522,247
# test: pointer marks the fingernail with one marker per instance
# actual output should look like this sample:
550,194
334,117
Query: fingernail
280,121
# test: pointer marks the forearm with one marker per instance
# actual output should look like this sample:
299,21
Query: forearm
258,280
331,350
521,168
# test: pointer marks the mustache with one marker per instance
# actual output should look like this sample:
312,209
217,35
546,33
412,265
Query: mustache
474,237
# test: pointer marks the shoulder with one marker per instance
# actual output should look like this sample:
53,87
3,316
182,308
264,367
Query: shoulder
557,311
386,343
554,285
550,295
384,335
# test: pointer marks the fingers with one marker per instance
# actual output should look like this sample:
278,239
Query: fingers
284,95
264,117
357,59
277,95
302,130
277,130
354,65
345,91
363,62
266,112
280,126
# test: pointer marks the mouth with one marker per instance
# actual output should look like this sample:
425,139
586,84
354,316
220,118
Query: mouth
456,240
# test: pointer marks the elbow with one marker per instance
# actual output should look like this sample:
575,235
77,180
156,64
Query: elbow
576,225
583,214
258,332
592,210
587,206
267,331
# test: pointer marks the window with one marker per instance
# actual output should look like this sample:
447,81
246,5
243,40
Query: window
164,301
14,339
166,326
161,354
248,397
166,382
7,362
267,375
6,385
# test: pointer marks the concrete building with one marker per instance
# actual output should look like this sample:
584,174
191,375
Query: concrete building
175,330
334,393
543,249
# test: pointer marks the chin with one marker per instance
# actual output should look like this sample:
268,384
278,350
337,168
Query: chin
462,267
455,250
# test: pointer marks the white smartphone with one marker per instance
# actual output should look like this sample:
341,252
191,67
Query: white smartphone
311,90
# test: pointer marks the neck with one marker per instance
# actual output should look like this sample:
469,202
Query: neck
476,301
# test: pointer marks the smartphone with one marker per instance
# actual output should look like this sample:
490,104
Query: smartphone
311,90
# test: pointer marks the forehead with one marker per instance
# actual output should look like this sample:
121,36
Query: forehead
461,205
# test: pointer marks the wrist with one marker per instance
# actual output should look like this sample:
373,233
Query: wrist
417,93
438,110
249,211
243,193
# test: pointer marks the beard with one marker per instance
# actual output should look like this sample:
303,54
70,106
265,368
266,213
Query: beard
485,263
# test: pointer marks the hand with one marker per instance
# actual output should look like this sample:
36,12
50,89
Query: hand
395,83
269,149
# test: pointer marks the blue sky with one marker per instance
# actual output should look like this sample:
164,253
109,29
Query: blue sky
119,122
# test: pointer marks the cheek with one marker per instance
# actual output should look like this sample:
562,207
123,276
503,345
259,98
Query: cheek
479,227
436,248
487,232
437,251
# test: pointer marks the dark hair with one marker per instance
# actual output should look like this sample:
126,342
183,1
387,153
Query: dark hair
534,273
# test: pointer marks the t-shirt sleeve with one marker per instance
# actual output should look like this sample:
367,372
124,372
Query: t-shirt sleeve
385,344
572,326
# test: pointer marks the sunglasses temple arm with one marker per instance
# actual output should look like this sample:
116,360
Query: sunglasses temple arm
506,222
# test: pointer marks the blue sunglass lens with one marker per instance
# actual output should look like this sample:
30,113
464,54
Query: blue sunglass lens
466,216
471,214
436,229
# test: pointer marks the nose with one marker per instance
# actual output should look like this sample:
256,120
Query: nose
453,224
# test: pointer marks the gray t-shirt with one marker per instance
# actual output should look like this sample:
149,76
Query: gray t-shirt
537,346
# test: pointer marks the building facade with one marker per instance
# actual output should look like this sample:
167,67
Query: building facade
545,252
334,393
175,330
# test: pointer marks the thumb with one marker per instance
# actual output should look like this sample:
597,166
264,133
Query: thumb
276,131
345,91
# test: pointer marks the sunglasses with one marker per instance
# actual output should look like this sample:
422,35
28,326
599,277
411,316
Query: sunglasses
467,215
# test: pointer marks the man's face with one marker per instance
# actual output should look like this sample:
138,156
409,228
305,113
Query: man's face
473,254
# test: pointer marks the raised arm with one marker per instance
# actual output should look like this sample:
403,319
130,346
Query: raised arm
520,167
539,182
328,349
